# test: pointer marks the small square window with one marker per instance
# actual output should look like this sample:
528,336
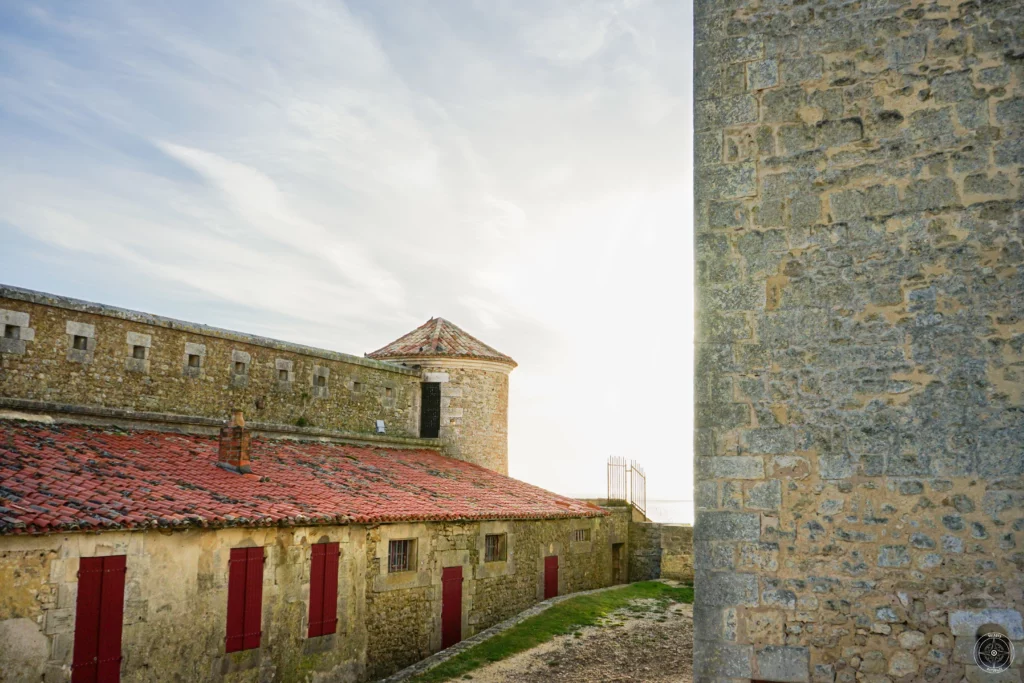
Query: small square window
388,392
239,368
12,332
139,352
357,386
321,381
282,375
581,535
401,555
80,343
193,360
494,548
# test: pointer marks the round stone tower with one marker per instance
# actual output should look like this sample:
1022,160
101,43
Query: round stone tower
464,398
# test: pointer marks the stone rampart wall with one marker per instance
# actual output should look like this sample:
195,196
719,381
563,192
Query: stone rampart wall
140,362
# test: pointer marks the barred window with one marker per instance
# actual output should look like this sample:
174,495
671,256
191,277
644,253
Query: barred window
581,535
494,548
401,555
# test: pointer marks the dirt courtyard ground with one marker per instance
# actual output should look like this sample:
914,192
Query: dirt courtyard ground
645,641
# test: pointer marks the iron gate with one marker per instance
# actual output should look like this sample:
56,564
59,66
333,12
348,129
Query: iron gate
627,482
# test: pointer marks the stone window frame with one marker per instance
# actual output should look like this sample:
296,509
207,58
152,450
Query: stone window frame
75,329
131,363
18,323
288,366
506,567
193,349
240,379
356,386
321,391
386,400
407,553
420,576
58,623
496,551
586,529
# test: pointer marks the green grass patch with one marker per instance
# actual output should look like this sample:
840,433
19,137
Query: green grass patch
562,619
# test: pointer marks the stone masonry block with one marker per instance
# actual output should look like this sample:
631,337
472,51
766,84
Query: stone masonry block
770,441
788,664
841,132
727,526
729,589
191,348
763,74
727,182
728,415
731,467
725,111
801,69
80,329
138,339
931,195
765,496
716,660
782,105
967,622
18,318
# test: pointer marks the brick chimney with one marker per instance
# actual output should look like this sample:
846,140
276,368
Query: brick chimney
234,445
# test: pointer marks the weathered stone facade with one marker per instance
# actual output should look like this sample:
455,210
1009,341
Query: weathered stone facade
860,352
403,617
474,409
176,596
141,362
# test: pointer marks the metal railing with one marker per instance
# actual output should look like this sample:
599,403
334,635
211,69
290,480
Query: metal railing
627,482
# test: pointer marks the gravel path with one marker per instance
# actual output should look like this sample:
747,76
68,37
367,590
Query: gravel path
642,642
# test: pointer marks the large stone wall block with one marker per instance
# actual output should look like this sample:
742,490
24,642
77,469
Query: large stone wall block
788,664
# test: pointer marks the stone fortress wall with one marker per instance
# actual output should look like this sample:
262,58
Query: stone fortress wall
860,360
140,362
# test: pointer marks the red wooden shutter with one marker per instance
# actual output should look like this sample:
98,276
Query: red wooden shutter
323,590
84,663
253,598
99,614
111,618
316,591
236,599
330,610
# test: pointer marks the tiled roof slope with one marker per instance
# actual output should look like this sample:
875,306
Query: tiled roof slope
438,338
71,477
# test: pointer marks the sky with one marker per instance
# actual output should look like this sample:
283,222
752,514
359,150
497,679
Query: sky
336,173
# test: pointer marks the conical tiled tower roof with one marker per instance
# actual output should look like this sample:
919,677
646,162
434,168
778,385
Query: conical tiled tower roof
438,338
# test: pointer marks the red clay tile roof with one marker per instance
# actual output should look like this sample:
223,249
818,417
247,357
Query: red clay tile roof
438,338
70,477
